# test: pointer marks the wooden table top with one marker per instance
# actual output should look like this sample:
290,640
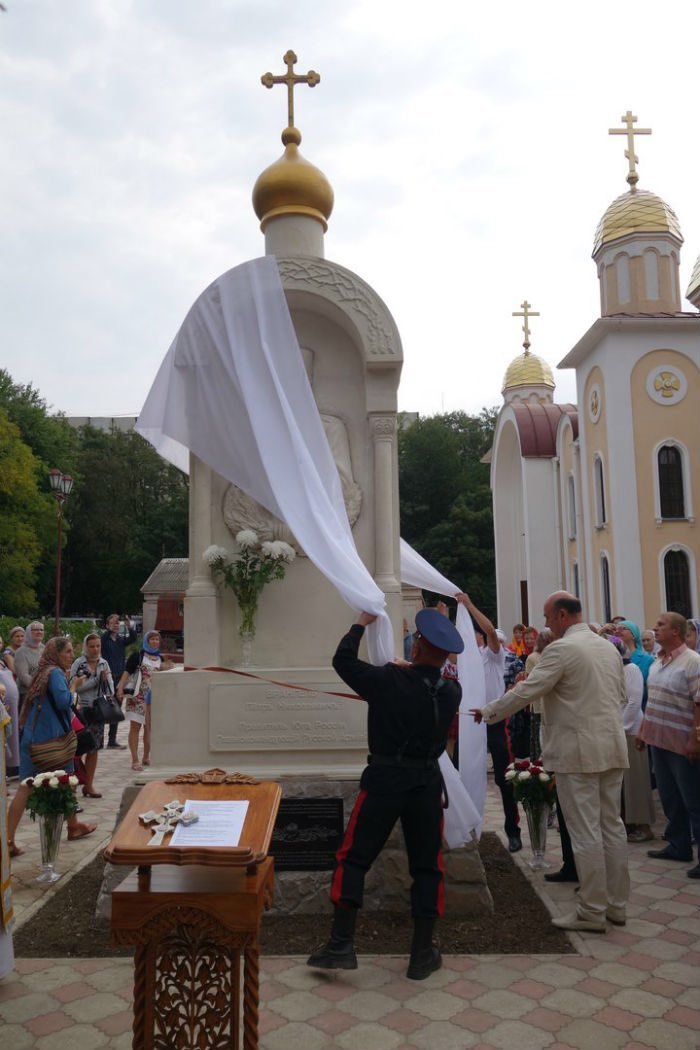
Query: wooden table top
129,844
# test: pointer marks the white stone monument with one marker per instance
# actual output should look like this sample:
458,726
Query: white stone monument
352,353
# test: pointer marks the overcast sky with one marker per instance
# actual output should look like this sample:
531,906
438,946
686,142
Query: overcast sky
466,143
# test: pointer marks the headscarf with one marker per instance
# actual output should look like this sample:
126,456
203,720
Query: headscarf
17,627
146,647
639,656
28,640
696,625
86,639
48,661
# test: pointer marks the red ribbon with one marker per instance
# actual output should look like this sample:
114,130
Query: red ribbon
284,685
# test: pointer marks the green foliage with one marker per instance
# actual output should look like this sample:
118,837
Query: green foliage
445,499
247,573
128,510
26,519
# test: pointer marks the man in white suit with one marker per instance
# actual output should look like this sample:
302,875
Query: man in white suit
581,681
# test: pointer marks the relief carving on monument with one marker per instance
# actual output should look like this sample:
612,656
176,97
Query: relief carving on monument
241,511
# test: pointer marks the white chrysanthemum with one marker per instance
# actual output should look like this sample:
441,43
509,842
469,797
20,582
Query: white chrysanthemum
525,775
41,777
58,773
247,538
510,774
28,781
544,777
214,554
286,552
511,766
268,549
53,782
73,781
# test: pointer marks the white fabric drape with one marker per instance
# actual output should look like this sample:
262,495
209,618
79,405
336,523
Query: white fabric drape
417,572
233,390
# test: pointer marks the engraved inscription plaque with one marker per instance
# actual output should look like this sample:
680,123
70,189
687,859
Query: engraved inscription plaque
259,716
307,834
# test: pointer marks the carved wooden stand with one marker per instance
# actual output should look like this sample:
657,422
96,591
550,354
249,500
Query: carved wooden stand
190,927
192,913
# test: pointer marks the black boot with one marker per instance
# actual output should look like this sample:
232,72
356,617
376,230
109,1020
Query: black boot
425,957
339,953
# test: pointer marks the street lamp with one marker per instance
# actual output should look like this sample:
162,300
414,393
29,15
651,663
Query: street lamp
61,488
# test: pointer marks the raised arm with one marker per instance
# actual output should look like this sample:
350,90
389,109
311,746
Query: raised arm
482,620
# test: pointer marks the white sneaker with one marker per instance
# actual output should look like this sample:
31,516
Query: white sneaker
575,922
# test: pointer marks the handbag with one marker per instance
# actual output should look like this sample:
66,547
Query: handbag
106,709
55,753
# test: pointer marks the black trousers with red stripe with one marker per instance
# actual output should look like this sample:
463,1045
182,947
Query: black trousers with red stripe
374,815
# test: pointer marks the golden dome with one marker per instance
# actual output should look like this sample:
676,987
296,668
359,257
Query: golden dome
693,292
292,186
637,211
528,370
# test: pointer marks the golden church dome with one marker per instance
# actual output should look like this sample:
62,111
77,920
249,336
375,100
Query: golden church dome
693,292
637,211
292,186
528,370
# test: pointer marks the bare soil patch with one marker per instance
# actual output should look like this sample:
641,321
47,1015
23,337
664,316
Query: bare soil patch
66,927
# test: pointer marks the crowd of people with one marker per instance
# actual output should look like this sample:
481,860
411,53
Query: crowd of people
46,690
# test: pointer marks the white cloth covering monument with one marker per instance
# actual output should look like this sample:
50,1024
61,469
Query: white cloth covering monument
279,396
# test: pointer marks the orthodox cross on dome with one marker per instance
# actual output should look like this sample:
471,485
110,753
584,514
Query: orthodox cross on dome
630,131
526,312
290,78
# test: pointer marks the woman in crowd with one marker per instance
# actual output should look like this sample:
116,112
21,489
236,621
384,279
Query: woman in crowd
15,639
11,702
7,955
517,644
136,685
638,802
27,657
96,675
45,714
692,638
632,637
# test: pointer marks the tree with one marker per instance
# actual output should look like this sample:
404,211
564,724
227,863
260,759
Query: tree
129,509
26,519
445,498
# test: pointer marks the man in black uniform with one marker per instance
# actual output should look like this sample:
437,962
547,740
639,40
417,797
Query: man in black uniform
410,709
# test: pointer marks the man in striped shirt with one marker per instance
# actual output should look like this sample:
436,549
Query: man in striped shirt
669,729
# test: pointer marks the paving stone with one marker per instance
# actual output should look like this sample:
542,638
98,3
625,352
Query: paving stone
16,1037
614,1017
368,1037
509,1034
641,1002
573,1002
370,1006
25,1007
591,1035
502,1006
299,1006
663,1033
557,975
297,1035
85,1036
404,1021
95,1008
616,973
438,1035
333,1022
549,1020
679,972
436,1005
48,1023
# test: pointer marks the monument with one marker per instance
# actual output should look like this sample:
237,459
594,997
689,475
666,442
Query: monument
352,354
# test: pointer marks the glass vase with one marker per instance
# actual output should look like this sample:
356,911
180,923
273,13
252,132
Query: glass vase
246,647
536,815
50,828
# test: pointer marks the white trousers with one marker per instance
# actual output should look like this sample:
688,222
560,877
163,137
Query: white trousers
591,806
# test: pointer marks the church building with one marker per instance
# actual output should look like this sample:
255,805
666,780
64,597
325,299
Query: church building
599,498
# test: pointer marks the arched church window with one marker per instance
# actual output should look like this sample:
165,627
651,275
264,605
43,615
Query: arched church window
605,588
671,494
599,485
677,580
572,508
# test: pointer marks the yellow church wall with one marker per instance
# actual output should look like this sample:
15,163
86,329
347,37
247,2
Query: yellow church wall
596,442
653,424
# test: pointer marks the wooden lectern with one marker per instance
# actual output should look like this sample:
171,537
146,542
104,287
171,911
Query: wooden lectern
191,912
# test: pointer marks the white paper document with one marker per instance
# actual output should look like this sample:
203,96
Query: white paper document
219,824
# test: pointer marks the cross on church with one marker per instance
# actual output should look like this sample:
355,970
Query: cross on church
290,78
630,131
526,312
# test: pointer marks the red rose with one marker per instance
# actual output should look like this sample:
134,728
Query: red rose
522,764
63,779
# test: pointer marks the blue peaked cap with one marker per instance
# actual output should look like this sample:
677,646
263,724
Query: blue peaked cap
439,631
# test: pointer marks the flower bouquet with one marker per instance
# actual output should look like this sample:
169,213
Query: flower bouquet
535,789
249,570
51,799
